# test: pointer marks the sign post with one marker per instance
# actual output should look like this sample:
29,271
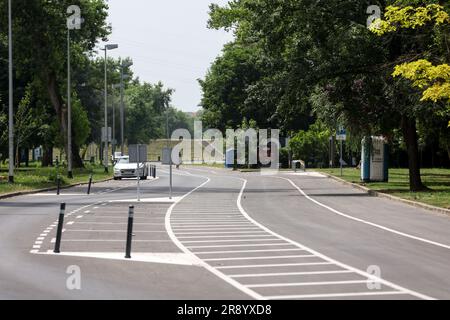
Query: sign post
341,136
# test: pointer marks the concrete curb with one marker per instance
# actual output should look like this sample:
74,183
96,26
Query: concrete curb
388,196
24,193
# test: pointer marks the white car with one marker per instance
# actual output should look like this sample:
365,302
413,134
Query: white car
123,169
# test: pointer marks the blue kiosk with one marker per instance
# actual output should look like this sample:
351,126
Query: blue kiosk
375,160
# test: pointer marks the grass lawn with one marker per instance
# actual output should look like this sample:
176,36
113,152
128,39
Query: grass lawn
437,180
35,177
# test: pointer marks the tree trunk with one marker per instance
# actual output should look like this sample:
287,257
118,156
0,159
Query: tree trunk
410,135
77,162
61,111
47,157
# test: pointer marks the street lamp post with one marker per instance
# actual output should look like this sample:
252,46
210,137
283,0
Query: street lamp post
73,23
122,105
11,113
107,47
170,153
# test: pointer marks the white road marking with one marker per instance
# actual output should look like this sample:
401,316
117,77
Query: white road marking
172,236
36,247
249,251
335,295
306,284
70,223
79,217
240,240
276,265
227,232
282,274
260,258
403,234
319,255
219,237
160,258
241,245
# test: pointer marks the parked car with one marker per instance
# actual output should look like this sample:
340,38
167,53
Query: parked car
123,169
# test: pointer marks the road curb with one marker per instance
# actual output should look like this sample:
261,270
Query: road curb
388,196
24,193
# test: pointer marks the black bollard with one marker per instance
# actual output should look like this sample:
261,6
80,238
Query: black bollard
90,184
58,185
60,228
129,232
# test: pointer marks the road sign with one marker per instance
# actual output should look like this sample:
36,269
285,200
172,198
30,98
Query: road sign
104,134
138,153
341,135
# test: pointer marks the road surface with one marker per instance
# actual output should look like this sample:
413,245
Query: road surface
224,235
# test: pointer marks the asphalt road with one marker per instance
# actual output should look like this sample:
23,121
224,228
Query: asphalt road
224,235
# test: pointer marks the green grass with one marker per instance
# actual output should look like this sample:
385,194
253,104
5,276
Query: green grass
35,177
437,180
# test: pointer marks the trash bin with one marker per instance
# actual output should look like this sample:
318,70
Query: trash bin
374,162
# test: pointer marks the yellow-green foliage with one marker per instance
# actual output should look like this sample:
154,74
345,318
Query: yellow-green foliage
434,80
409,18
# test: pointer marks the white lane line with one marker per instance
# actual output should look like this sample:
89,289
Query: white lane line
260,258
87,211
41,238
212,224
177,242
36,247
334,295
276,265
250,251
226,232
79,217
38,242
182,227
70,223
306,284
176,230
227,241
95,208
283,274
241,245
326,258
234,237
364,221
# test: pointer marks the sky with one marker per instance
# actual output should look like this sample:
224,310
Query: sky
168,41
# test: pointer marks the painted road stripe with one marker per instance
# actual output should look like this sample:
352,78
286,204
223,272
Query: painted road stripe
235,236
277,265
213,229
249,251
241,245
306,284
364,221
324,257
283,274
334,295
230,232
259,258
241,240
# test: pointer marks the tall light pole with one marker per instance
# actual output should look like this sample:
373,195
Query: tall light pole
11,112
170,153
107,47
73,23
123,76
